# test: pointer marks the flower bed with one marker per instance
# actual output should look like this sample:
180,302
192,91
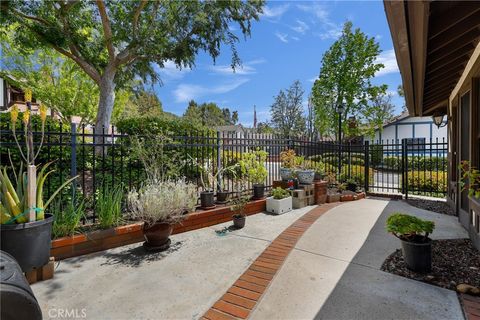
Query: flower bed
100,240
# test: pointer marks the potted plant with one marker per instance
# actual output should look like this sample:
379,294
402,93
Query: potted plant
238,206
416,245
280,201
351,185
303,174
160,204
287,158
25,227
319,169
253,168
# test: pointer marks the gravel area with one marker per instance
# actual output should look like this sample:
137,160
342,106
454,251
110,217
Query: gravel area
432,205
454,262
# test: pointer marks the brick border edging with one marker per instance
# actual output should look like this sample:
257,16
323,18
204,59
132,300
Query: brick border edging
244,295
471,306
99,240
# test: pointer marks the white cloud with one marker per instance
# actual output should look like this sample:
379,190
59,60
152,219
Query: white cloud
244,69
187,92
170,71
275,12
282,36
331,30
295,38
387,58
313,79
301,27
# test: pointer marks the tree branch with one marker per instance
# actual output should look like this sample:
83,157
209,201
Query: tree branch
136,15
107,30
32,18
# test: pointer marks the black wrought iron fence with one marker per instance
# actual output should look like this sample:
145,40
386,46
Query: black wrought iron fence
106,159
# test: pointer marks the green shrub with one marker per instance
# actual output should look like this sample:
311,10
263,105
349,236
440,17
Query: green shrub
109,206
416,163
409,228
376,154
279,193
67,219
427,181
153,125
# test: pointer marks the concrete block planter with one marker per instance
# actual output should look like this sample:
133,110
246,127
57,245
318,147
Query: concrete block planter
100,240
279,206
333,197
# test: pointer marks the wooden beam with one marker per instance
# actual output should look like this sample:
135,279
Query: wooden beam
440,74
397,22
428,109
431,58
448,64
440,23
444,83
418,31
450,56
444,92
472,23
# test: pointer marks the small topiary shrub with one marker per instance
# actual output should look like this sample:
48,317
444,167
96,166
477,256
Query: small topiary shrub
409,228
279,193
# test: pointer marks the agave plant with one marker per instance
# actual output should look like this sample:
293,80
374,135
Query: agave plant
14,200
16,206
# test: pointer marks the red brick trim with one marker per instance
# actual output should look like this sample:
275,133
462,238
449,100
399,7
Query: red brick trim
100,240
242,297
471,306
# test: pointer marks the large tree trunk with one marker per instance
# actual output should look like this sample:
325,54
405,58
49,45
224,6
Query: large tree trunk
105,108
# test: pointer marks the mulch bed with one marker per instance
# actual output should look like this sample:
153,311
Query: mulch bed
454,262
432,205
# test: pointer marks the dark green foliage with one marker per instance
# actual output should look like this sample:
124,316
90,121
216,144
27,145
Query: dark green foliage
376,154
409,228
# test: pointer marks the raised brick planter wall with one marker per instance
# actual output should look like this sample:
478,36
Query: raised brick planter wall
471,306
100,240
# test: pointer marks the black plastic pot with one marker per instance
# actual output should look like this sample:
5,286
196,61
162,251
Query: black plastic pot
239,221
207,199
352,187
29,243
222,197
418,256
258,191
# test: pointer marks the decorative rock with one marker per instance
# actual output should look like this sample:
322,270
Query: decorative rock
466,288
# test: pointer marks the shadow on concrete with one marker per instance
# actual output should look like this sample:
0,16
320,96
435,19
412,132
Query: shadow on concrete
138,256
365,292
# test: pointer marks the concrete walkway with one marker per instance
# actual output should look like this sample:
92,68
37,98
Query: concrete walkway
182,283
334,270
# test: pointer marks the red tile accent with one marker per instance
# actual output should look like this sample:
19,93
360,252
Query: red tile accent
244,294
471,306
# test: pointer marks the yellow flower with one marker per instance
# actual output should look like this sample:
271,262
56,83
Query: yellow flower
14,115
28,95
26,116
43,112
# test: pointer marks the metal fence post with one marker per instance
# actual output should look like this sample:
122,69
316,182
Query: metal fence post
73,159
367,165
405,168
219,161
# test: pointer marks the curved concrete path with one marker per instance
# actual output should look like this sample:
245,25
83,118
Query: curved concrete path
334,270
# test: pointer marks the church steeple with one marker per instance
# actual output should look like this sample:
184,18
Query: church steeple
254,116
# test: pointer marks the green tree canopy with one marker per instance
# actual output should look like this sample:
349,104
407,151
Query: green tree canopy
117,41
287,111
209,115
345,79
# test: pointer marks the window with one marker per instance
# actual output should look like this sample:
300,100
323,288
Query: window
415,144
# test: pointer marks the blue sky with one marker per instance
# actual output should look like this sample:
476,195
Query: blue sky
286,44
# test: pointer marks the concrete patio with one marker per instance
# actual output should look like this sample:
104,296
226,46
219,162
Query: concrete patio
332,273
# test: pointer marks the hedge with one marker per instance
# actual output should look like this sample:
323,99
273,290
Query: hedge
428,181
417,163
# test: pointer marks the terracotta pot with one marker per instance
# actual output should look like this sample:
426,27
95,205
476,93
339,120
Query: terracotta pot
157,235
239,221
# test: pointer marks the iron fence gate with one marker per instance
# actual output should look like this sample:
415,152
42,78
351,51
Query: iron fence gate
409,167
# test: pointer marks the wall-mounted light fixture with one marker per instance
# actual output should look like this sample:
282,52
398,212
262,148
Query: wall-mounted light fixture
438,120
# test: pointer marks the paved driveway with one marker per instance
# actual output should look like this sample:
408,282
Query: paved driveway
334,270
